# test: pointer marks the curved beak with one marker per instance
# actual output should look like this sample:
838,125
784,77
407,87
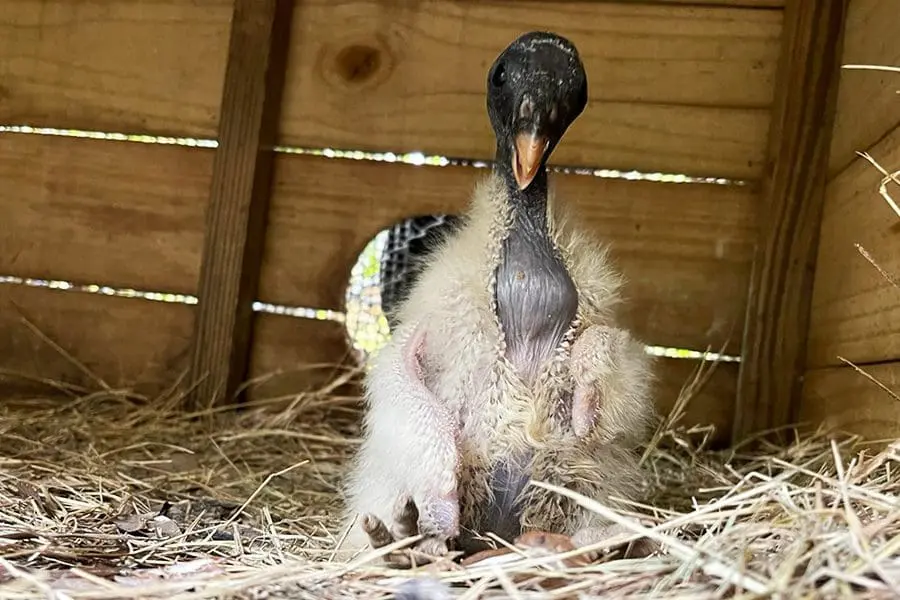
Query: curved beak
528,153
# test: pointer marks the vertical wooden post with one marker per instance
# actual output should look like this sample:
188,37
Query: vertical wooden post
239,197
774,345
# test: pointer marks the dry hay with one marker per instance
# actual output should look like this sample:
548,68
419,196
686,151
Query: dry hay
111,496
107,495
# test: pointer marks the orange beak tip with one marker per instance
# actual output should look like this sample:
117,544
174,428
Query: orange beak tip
527,157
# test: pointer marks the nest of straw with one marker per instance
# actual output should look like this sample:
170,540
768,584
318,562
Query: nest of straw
107,495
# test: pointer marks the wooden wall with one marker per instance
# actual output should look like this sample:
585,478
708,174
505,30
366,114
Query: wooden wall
855,318
675,87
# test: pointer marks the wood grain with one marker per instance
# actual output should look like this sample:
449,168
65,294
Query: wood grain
686,249
674,88
868,101
125,342
670,89
236,217
141,345
292,355
713,404
124,214
114,65
845,400
774,348
855,309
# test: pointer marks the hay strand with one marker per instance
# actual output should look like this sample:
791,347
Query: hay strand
109,495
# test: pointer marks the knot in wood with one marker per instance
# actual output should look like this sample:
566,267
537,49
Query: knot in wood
357,63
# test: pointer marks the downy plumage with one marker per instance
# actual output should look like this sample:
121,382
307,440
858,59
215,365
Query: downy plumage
505,365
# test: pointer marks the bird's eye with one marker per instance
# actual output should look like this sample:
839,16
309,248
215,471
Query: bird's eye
498,78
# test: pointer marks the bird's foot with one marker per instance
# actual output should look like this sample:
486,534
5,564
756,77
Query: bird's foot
639,548
540,543
434,545
553,543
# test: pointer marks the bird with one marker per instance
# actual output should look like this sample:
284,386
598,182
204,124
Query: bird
505,363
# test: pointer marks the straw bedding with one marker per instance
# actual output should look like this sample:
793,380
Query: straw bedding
106,495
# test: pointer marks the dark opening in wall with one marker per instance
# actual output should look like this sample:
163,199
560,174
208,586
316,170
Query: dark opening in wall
384,273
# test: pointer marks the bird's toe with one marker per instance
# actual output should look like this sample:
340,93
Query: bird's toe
554,542
378,532
638,548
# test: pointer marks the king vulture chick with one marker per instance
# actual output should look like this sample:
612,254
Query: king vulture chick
505,364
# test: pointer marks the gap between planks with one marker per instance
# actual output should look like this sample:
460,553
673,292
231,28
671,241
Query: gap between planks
160,67
687,268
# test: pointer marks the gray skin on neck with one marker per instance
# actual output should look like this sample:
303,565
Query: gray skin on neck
536,297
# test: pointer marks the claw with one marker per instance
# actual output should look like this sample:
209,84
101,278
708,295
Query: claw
553,543
483,555
378,533
639,548
406,516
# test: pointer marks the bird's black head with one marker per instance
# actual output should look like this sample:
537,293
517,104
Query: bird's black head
536,89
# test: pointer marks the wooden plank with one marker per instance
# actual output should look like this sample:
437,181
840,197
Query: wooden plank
284,347
125,342
728,3
686,249
868,101
115,65
673,88
67,203
140,345
713,404
70,200
845,400
774,347
855,309
292,355
239,197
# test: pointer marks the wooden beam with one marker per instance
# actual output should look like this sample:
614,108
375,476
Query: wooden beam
239,197
774,344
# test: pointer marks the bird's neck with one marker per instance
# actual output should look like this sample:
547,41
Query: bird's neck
535,296
529,204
